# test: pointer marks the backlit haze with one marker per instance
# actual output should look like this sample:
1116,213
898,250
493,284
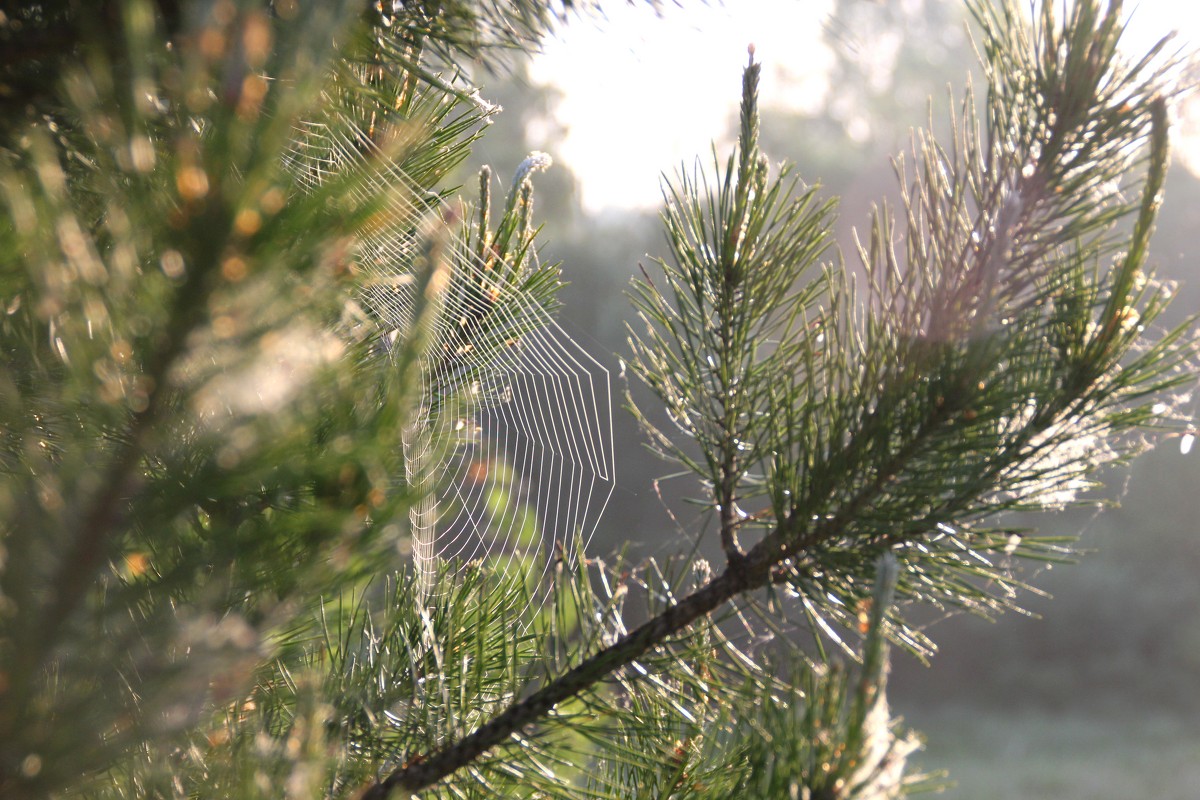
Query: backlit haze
644,91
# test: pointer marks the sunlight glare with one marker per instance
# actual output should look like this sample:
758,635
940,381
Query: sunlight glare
646,91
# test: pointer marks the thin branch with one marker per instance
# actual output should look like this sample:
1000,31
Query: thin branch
421,773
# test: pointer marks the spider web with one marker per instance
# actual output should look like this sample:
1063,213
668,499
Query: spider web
511,454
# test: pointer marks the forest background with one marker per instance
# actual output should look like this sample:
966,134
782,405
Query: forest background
1095,694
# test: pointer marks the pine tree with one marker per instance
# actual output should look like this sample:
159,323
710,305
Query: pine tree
230,258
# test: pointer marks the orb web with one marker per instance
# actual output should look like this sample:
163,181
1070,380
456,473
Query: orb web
511,453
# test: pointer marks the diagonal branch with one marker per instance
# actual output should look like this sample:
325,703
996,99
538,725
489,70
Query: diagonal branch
751,571
418,774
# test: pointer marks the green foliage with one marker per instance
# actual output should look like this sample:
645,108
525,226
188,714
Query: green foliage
738,316
992,362
193,455
226,254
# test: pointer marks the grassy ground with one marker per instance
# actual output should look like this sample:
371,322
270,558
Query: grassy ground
1038,755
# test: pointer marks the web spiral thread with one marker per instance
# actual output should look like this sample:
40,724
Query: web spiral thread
511,455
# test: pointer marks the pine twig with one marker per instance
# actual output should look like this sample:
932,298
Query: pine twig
421,773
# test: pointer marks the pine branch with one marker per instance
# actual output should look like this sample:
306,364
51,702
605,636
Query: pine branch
752,571
190,454
923,432
743,575
422,772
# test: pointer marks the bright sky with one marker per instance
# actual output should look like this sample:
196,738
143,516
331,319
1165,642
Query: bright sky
644,93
